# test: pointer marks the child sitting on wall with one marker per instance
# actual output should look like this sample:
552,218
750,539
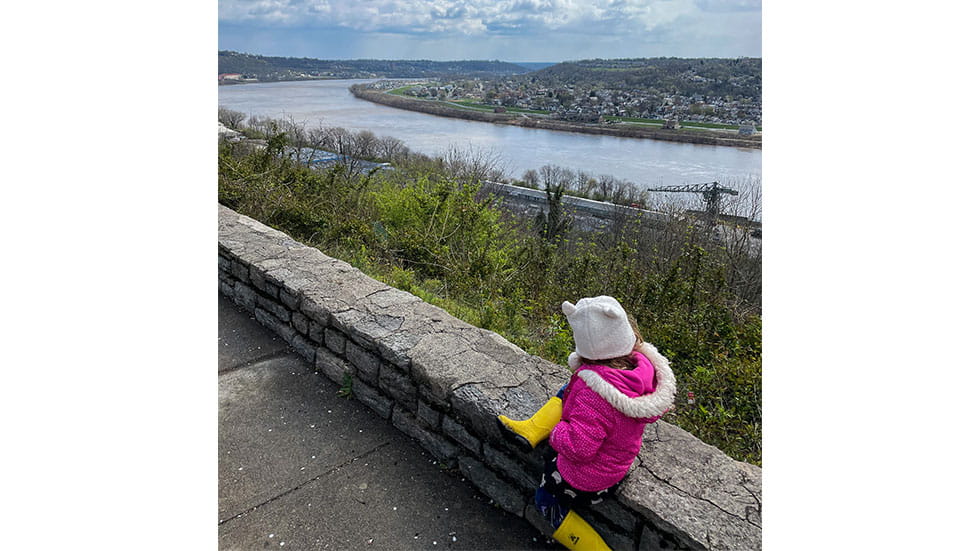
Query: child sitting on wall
596,421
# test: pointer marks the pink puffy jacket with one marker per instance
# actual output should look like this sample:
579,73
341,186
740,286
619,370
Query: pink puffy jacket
604,412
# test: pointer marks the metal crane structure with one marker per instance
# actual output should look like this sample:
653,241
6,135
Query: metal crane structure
710,192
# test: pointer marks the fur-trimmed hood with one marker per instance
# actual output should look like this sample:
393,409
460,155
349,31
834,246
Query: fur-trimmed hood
638,406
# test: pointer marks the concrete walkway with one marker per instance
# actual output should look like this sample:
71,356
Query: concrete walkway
301,467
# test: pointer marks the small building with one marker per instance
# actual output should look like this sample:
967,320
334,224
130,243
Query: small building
746,130
229,76
499,109
671,124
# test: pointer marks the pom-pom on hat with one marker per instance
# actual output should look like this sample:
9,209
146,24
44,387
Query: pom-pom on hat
600,327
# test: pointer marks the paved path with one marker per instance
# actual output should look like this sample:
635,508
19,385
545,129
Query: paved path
303,468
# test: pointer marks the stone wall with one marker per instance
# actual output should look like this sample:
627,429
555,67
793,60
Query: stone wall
443,382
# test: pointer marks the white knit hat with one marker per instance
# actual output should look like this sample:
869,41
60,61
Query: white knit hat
600,327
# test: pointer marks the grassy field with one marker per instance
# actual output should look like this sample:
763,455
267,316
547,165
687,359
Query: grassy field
689,124
635,119
461,104
401,91
509,109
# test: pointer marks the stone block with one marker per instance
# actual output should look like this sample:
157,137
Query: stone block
507,496
331,365
426,393
277,326
618,540
442,449
266,319
315,331
428,416
224,264
513,469
366,364
304,347
226,277
226,289
614,538
239,271
274,308
532,461
459,433
335,341
316,309
436,363
368,328
289,299
372,398
257,277
301,323
244,296
537,520
347,322
617,515
395,346
397,384
653,540
477,411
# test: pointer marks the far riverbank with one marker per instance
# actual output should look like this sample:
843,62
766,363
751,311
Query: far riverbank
705,137
516,149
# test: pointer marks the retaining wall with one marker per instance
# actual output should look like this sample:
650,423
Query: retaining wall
443,382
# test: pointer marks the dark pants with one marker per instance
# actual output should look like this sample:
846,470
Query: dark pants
555,497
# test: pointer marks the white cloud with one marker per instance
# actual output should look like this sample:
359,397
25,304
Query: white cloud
729,5
467,17
543,30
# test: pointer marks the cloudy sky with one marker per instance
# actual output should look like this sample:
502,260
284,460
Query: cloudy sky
510,30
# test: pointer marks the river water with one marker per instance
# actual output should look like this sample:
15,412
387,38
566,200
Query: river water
644,162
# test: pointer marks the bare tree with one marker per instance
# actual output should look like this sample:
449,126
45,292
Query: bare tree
390,149
267,126
531,179
742,247
319,139
604,188
365,145
553,176
473,165
231,119
584,183
296,136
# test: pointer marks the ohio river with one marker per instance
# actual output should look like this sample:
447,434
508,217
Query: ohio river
644,162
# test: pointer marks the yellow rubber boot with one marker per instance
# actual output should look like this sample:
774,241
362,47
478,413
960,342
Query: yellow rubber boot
530,432
576,534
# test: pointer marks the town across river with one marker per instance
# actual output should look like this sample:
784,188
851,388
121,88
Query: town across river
645,162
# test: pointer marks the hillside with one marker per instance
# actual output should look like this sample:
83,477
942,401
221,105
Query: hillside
534,65
266,68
